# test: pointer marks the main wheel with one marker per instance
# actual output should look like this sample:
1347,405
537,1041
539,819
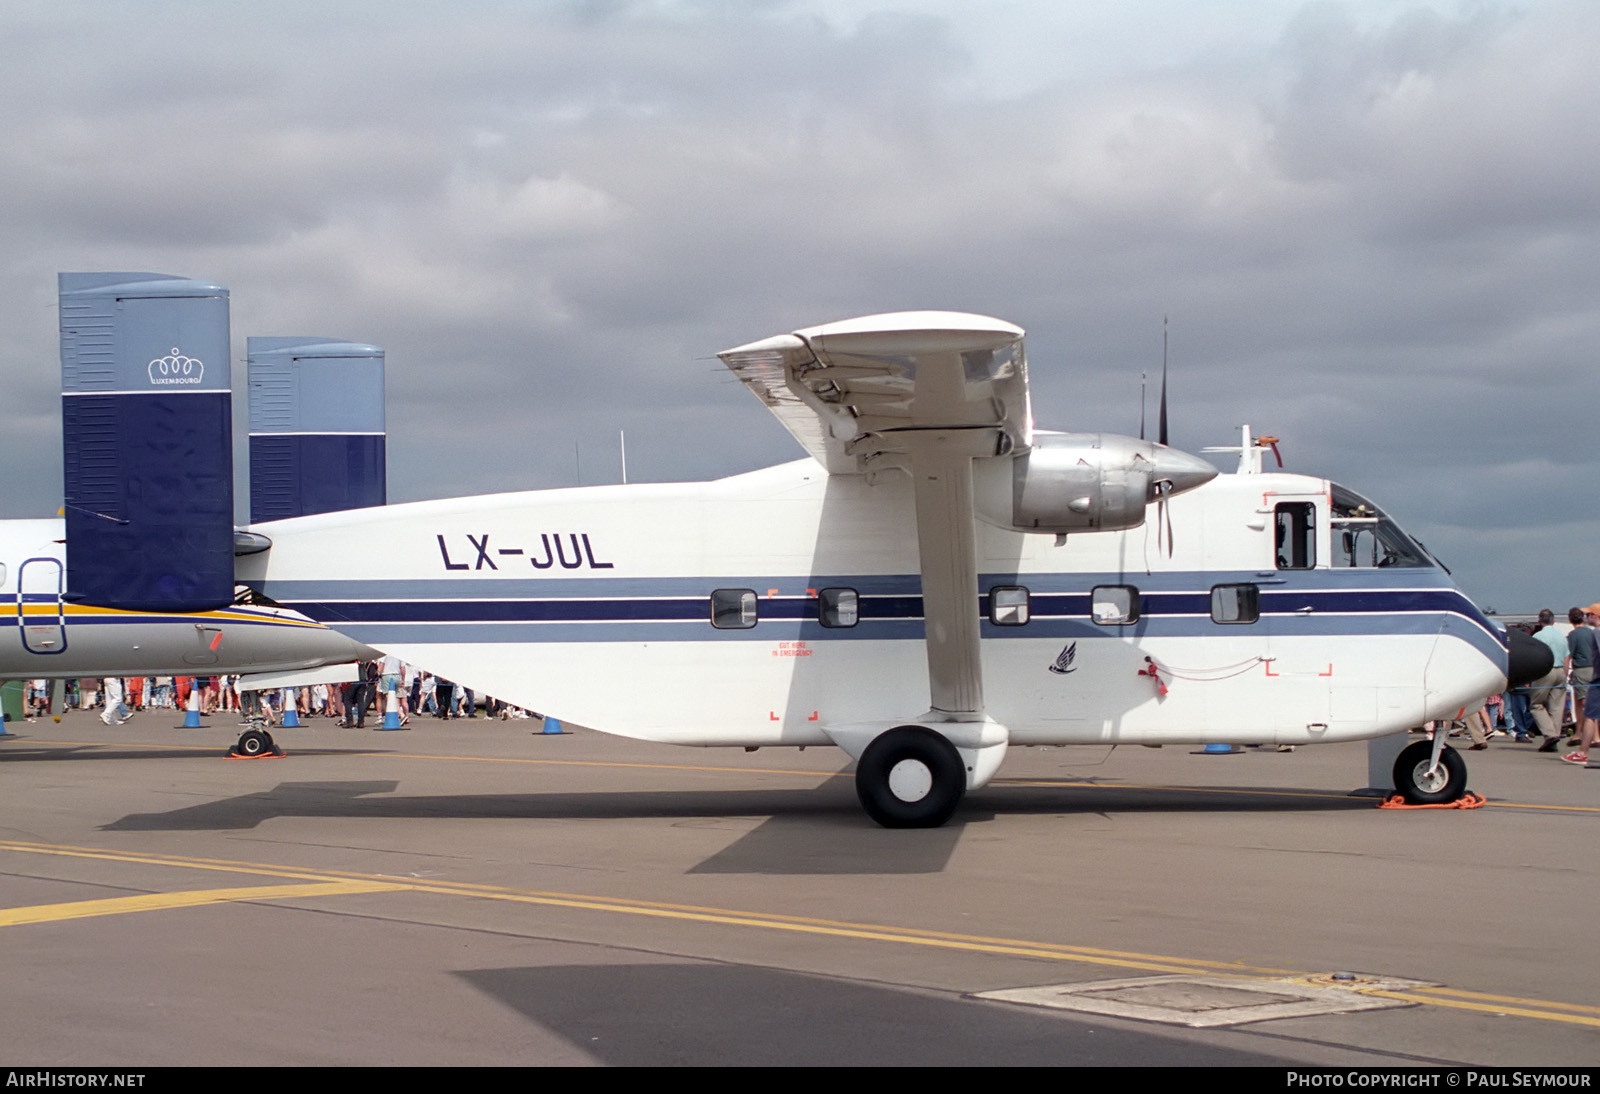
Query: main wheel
1413,780
254,742
910,777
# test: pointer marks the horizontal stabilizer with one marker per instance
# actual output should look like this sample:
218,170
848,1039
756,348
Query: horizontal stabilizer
301,678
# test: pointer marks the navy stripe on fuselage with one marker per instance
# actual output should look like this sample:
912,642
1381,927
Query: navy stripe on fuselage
1303,603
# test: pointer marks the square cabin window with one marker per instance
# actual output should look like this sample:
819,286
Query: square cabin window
1008,605
733,609
838,607
1114,605
1235,603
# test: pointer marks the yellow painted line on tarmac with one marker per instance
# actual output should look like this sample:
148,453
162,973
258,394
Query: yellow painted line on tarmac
319,745
1355,802
1018,782
341,882
1544,1011
155,902
1515,1000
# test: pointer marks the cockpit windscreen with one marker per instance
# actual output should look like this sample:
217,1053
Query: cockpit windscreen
1364,536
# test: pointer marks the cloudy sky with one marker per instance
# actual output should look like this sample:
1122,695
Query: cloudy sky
1374,227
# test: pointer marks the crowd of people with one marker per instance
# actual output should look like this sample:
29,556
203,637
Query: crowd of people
1560,708
416,692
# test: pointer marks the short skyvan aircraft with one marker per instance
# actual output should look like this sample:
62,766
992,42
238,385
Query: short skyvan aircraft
936,582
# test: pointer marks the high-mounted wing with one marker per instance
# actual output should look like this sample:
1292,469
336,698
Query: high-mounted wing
843,389
926,392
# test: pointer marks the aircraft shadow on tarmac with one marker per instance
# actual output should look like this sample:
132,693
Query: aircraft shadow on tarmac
719,1014
17,753
787,842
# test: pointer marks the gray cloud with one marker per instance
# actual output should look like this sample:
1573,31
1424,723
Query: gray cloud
1372,228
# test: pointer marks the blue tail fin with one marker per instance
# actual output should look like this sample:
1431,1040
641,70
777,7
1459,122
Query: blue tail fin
146,403
316,427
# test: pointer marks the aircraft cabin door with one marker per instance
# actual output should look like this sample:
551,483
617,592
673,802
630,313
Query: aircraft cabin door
41,613
1302,665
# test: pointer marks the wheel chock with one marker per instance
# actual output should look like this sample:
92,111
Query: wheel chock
1469,800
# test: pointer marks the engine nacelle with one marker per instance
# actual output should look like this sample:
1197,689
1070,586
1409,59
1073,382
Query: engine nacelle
1086,482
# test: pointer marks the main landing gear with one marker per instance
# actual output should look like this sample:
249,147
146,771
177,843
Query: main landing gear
1420,783
910,777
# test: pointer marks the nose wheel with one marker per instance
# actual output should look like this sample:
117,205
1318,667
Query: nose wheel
254,743
1420,783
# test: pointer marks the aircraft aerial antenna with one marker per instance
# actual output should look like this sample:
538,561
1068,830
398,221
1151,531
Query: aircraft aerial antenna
1162,427
1142,377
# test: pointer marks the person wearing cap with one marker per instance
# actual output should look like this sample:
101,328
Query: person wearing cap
1587,729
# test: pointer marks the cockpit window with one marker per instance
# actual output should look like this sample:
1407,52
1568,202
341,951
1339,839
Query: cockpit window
1363,536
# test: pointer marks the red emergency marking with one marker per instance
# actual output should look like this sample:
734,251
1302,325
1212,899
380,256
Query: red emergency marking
217,641
1325,672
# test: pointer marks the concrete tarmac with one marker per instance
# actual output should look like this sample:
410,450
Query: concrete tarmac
474,892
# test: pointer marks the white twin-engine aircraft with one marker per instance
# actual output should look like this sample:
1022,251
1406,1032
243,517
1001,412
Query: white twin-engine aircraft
938,581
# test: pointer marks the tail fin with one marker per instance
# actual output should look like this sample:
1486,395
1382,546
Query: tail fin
146,402
316,427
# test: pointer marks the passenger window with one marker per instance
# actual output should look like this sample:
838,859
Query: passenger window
1235,603
838,607
1008,605
1111,605
1296,535
733,609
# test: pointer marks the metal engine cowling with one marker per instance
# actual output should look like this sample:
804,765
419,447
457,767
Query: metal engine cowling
1084,482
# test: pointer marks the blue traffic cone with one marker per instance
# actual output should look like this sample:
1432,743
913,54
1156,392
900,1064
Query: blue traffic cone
391,710
191,717
552,724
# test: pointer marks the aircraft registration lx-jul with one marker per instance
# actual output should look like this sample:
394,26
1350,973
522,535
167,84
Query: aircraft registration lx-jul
937,582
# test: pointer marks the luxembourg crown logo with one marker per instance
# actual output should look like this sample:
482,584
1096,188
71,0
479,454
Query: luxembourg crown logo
175,368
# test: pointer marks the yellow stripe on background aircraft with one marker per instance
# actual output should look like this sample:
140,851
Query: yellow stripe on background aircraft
43,635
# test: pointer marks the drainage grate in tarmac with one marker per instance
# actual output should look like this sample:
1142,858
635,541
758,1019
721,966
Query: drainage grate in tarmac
1207,1001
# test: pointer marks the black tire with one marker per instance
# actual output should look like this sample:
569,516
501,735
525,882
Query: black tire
254,742
910,777
1412,781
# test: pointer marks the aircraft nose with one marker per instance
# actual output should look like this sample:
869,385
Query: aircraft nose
1527,660
1184,471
